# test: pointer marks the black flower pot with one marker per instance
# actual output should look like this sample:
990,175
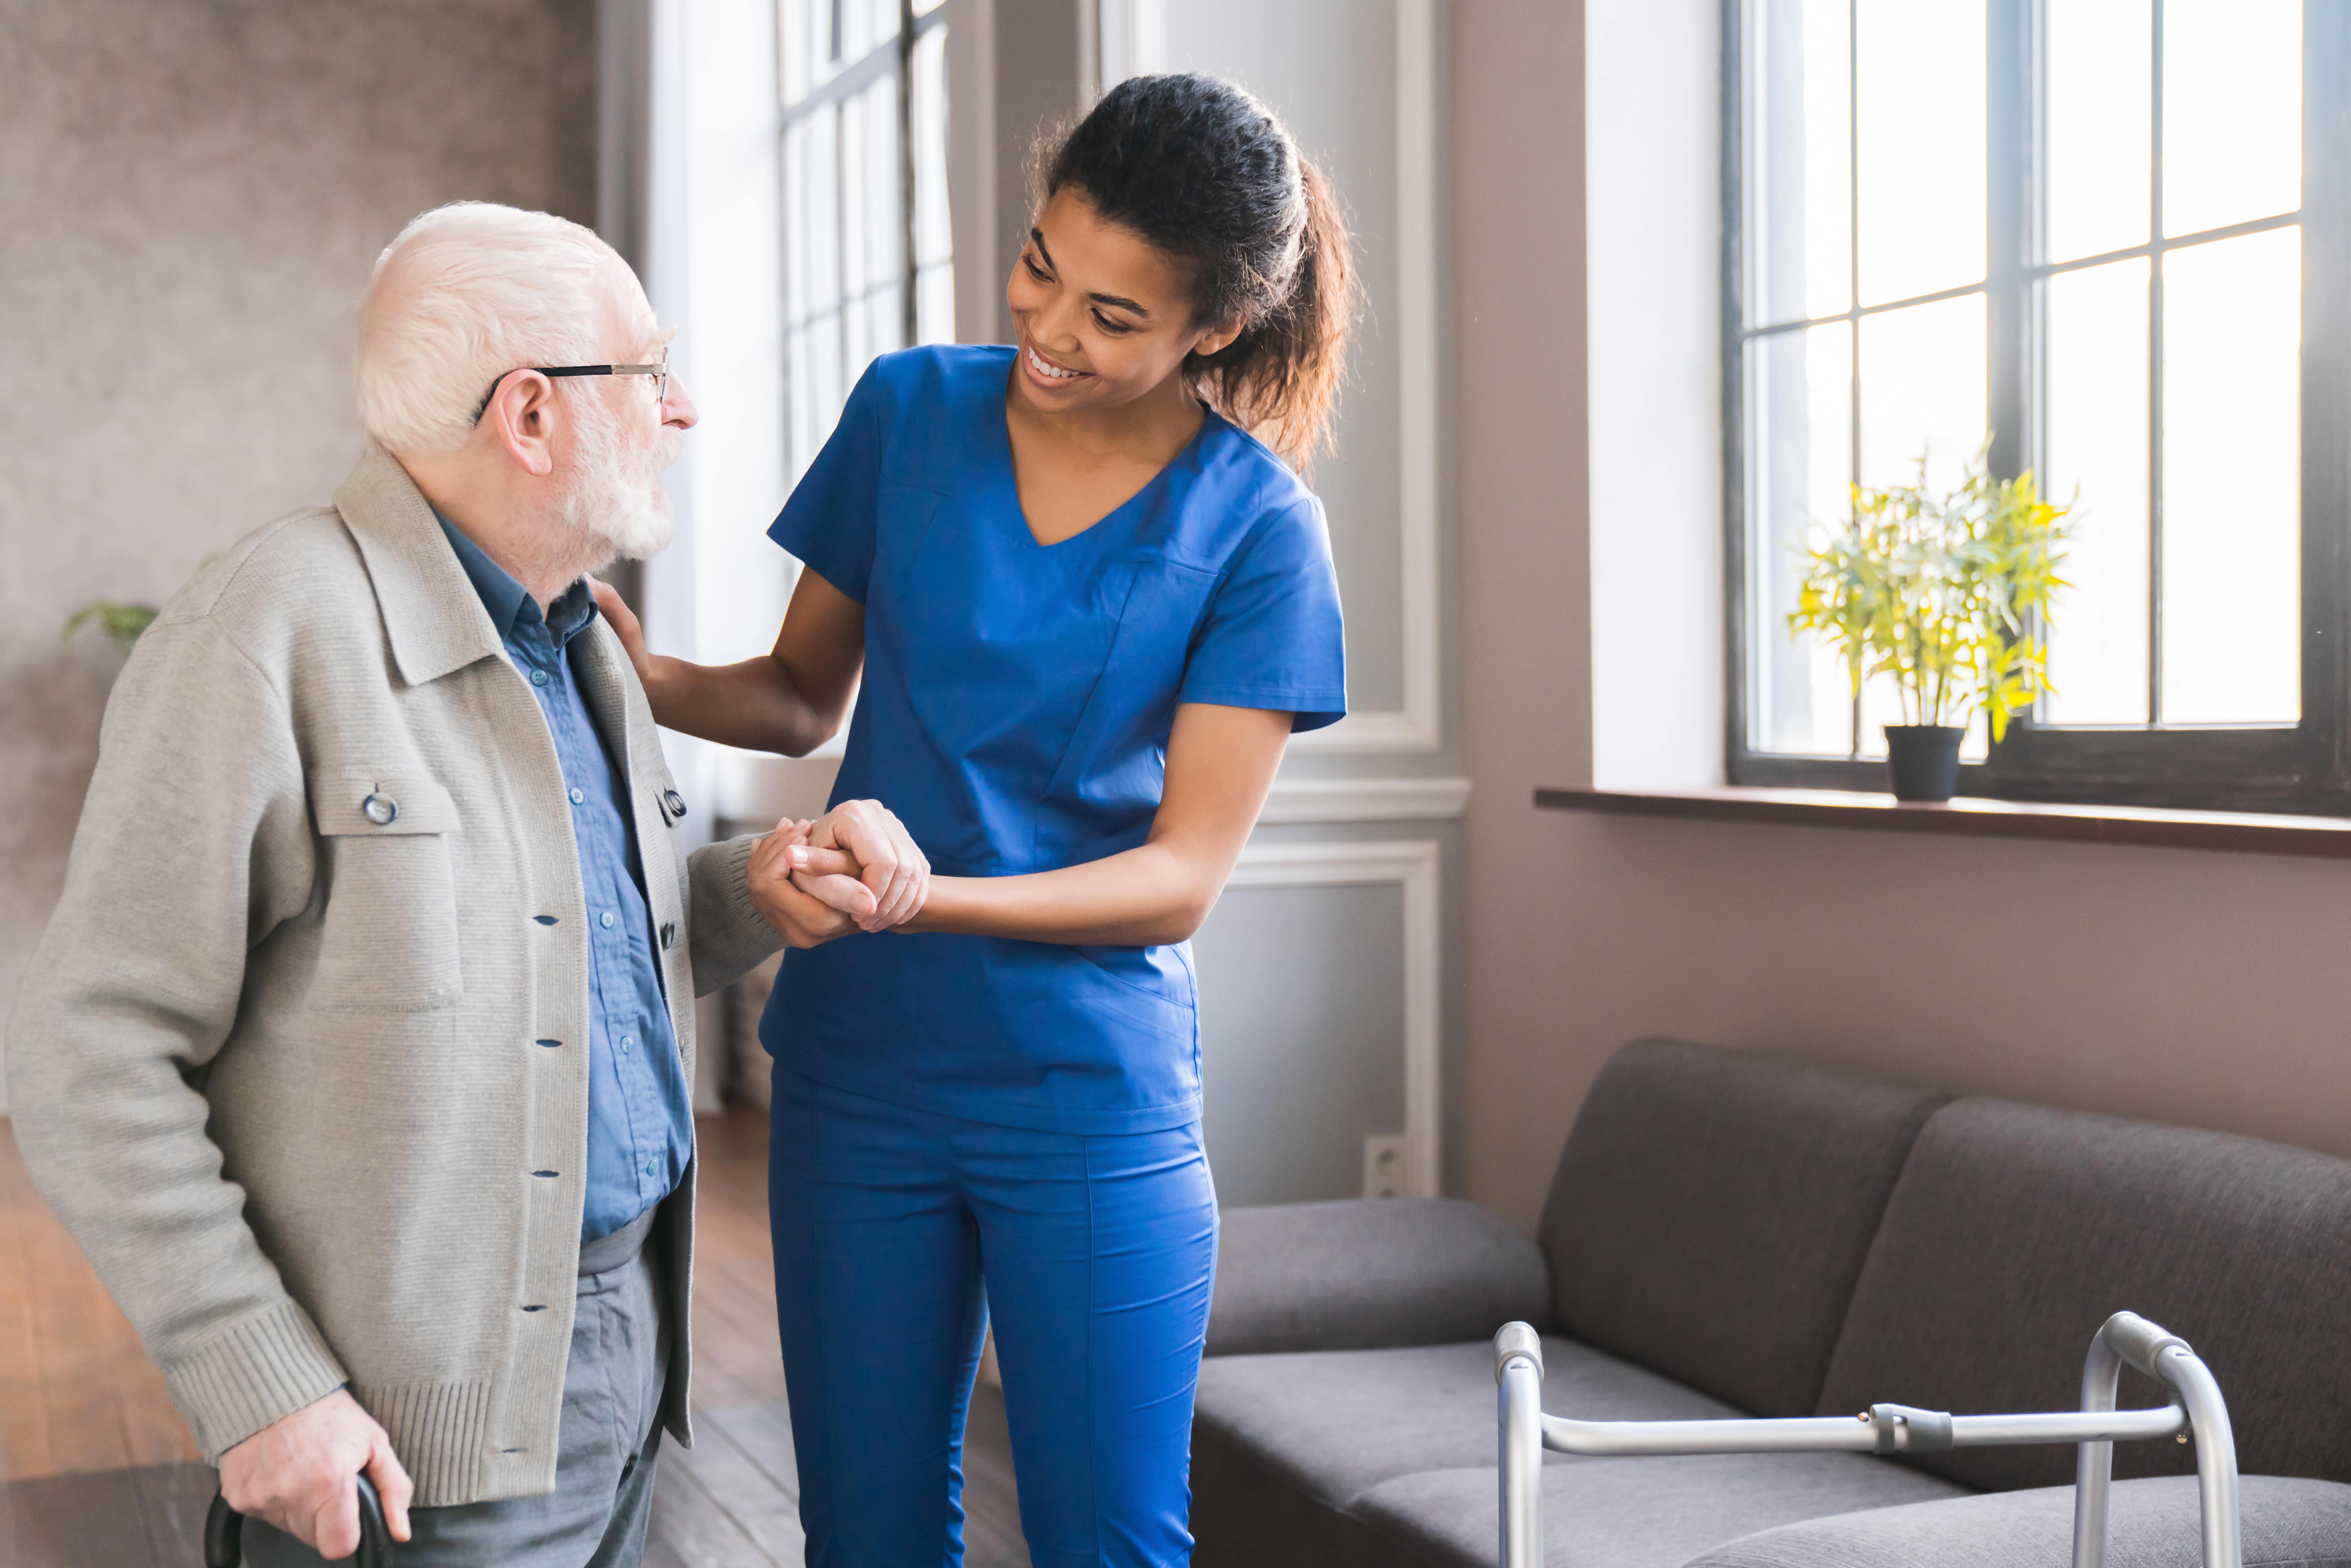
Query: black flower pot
1924,759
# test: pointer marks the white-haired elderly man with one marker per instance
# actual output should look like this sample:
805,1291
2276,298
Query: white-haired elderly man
358,1055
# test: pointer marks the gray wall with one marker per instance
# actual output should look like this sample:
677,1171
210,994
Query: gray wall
1310,978
191,195
1328,69
2204,990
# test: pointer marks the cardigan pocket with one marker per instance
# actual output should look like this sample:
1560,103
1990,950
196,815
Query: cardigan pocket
388,936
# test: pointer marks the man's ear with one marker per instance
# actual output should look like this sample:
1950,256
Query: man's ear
522,417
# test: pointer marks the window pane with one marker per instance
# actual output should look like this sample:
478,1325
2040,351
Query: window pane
800,46
2231,112
2096,98
885,198
1922,391
864,25
934,233
1800,478
2095,460
818,39
1800,178
2231,480
1920,94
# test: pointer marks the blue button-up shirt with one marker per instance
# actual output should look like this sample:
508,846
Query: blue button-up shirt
640,1115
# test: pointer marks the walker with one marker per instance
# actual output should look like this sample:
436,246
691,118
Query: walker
2196,1409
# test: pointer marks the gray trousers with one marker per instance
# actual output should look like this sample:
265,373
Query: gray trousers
609,1445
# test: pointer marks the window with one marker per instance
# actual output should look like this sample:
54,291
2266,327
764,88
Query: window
2108,237
868,264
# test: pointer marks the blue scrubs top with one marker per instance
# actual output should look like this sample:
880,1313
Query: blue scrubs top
1015,714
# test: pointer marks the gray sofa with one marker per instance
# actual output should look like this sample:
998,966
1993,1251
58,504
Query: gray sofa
1730,1234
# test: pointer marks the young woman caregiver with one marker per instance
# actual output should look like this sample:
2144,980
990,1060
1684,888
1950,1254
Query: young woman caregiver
1089,608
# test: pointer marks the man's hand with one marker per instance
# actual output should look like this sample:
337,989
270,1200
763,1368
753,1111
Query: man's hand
809,896
295,1474
893,869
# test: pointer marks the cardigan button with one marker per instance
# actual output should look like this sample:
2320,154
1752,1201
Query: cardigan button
668,934
379,809
674,804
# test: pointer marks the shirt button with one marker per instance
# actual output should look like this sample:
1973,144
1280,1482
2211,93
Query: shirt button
539,677
649,1168
605,920
628,1042
578,795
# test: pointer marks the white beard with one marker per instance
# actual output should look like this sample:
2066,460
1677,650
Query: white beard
616,507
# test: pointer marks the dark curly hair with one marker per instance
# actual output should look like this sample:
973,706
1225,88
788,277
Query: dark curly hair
1205,173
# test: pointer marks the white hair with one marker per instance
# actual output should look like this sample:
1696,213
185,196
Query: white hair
465,294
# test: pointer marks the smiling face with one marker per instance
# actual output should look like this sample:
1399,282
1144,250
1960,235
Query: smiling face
1103,318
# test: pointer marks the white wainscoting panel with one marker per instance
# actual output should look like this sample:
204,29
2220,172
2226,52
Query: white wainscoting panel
1138,36
1418,726
1415,865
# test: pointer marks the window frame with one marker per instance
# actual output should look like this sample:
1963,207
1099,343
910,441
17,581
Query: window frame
892,58
2305,766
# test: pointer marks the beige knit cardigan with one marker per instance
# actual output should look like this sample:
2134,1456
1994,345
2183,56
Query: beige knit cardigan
302,1061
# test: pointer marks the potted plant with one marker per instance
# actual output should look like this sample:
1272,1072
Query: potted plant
1948,594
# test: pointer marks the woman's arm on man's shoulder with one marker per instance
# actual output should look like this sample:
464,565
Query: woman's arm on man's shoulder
791,700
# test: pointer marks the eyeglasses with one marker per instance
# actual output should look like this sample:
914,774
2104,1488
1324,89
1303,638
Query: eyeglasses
660,373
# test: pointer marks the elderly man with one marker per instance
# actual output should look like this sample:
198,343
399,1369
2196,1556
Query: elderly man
357,1053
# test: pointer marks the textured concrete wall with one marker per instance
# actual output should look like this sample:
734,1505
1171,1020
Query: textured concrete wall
191,195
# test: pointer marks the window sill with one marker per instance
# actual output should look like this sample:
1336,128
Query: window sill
2239,832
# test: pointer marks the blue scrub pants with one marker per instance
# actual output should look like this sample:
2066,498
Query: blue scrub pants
1097,1253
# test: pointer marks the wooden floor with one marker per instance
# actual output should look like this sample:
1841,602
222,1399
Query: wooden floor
96,1467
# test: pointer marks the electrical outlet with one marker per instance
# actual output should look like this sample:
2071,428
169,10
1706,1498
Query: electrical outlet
1384,1165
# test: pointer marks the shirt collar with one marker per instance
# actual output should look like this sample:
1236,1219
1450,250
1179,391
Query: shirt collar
508,603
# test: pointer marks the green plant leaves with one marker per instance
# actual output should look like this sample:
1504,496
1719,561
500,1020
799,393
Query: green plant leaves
120,622
1948,594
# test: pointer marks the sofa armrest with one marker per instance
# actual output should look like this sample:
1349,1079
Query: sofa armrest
1367,1273
2152,1523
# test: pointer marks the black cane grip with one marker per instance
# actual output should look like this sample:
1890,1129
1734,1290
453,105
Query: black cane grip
225,1532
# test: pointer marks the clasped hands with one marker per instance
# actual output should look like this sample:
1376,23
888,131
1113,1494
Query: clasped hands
853,868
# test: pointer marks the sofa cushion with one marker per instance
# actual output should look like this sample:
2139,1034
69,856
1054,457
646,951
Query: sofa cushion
1634,1512
1712,1211
1368,1272
1284,1446
2153,1523
1335,1424
2015,1231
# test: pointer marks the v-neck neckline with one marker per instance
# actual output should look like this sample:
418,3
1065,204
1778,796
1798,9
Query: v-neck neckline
1012,469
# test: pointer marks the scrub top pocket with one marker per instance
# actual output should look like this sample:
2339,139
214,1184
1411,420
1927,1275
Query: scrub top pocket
1089,801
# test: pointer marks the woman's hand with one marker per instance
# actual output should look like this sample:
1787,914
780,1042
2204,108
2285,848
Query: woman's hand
626,627
892,869
809,896
1221,763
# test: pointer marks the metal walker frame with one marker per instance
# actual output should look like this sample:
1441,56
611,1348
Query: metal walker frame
2196,1410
